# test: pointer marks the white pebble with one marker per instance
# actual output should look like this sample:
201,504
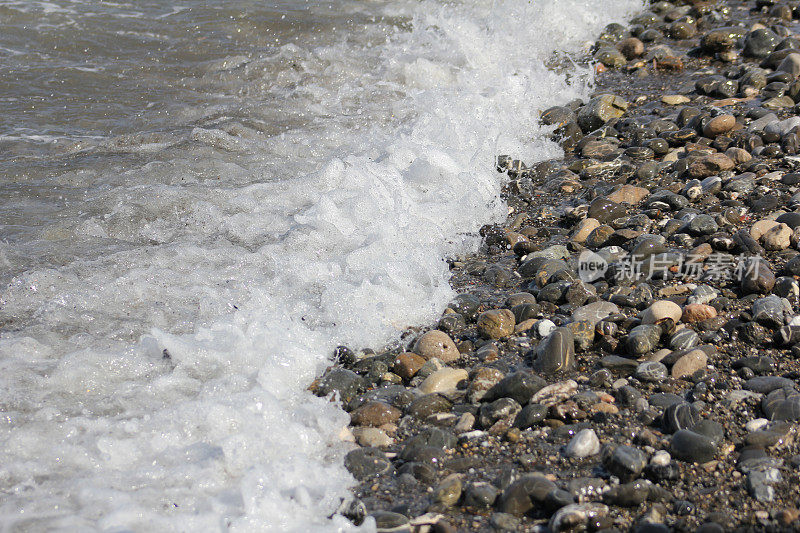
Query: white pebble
583,444
545,327
660,458
755,425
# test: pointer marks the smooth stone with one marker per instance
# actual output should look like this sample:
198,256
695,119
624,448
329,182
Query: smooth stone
365,463
556,352
684,339
576,515
628,194
584,444
600,110
583,229
679,416
374,414
625,462
711,430
345,383
767,384
386,521
651,371
628,494
691,447
427,405
448,492
702,225
595,311
709,165
407,364
770,311
697,313
778,237
719,125
790,65
782,404
604,210
480,495
544,327
530,416
436,344
702,294
520,386
791,219
759,43
643,338
496,324
520,496
758,277
689,364
370,437
631,47
661,310
444,380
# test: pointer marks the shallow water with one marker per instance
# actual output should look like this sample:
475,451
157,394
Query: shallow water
244,185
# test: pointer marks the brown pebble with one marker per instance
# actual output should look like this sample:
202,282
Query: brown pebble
719,125
436,344
407,364
374,414
698,312
631,48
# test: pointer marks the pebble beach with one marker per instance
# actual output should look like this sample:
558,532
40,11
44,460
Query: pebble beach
624,350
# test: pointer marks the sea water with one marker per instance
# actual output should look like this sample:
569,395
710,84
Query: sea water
199,200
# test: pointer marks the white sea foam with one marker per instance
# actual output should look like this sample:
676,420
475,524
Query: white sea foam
248,254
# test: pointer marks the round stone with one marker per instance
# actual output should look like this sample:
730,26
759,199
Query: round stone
444,380
692,447
719,125
583,444
651,371
374,414
661,310
697,313
437,344
496,323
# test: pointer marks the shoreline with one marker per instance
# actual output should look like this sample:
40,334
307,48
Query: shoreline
662,400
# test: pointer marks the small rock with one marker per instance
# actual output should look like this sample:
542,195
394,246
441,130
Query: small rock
651,371
629,194
556,352
693,313
709,165
600,110
692,447
778,237
496,324
583,229
689,364
662,310
370,437
437,344
576,515
583,444
364,463
642,339
444,380
448,492
407,364
719,125
625,462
